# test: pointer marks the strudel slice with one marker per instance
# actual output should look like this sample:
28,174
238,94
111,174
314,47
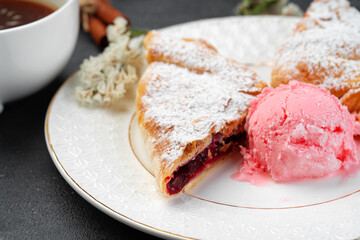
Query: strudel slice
325,50
191,106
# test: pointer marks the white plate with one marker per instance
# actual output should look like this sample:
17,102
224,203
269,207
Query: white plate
100,153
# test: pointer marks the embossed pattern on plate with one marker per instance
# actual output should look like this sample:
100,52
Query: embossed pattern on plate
90,148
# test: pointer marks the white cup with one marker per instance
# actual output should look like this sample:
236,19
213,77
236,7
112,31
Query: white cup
33,54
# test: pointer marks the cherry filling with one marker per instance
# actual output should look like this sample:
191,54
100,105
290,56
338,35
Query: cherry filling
203,160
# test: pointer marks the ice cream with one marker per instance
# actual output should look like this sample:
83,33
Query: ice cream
298,131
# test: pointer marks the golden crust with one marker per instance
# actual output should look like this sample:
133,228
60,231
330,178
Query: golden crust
156,134
151,130
309,21
304,73
209,59
153,54
323,50
352,100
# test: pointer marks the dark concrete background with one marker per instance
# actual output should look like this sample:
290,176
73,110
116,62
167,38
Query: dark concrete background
35,201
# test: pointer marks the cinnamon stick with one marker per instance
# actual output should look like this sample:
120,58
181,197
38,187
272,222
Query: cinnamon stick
107,13
98,32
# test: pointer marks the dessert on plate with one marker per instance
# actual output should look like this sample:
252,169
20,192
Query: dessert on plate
298,131
191,106
324,50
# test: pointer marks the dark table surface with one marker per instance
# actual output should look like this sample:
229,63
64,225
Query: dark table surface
35,201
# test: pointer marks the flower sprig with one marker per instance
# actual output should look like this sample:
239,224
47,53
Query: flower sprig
103,79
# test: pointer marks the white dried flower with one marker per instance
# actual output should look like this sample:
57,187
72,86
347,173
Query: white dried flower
118,29
104,78
292,9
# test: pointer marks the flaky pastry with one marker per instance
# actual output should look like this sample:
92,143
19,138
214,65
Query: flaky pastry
324,50
191,106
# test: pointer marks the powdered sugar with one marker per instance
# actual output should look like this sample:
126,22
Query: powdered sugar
325,13
201,57
329,46
192,92
329,53
189,106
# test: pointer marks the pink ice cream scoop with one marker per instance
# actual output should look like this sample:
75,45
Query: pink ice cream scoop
298,131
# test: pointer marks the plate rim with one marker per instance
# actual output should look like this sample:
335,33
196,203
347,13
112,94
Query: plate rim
87,196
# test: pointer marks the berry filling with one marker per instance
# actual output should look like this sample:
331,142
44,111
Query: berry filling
202,161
